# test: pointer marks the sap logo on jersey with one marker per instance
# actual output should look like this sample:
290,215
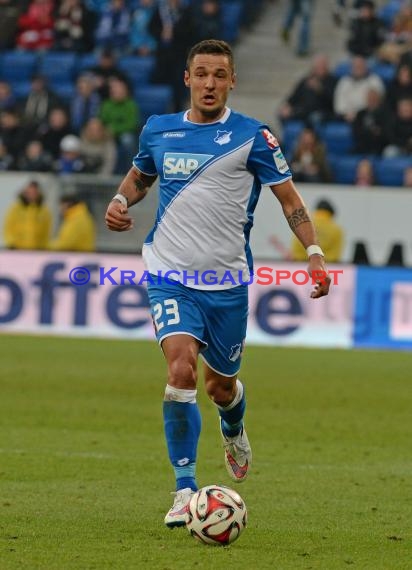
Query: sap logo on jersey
181,165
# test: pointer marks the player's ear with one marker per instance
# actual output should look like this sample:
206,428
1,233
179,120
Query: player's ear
187,78
233,80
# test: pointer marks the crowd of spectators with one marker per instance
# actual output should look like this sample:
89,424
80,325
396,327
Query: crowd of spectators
95,128
125,26
28,223
365,102
370,95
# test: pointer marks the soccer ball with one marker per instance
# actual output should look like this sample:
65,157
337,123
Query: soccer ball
216,515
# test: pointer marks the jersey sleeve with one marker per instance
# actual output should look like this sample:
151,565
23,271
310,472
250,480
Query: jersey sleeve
143,160
266,159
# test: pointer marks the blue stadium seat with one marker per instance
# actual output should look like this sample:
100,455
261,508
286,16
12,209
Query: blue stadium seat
337,137
291,132
342,68
137,68
389,11
390,171
153,100
58,66
231,17
21,89
344,168
18,66
86,61
386,71
64,90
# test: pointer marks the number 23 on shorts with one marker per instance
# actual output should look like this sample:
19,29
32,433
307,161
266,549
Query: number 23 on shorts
166,313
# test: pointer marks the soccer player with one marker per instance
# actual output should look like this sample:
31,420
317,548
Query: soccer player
211,163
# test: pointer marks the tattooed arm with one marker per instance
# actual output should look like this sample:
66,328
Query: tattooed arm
302,226
296,213
133,188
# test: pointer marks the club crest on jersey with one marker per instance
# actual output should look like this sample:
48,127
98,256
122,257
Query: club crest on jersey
271,140
222,137
181,165
235,352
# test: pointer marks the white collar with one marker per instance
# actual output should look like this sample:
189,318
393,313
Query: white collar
222,119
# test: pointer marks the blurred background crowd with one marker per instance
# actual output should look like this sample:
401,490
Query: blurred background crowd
351,123
78,79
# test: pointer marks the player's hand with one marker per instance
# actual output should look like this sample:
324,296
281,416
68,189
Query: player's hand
117,218
317,270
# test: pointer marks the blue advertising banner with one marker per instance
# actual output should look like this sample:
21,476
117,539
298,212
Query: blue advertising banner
105,295
383,308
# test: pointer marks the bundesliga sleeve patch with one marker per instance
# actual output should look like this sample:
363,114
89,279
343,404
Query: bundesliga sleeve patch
271,140
280,161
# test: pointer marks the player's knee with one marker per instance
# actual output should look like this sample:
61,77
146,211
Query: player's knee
182,373
221,390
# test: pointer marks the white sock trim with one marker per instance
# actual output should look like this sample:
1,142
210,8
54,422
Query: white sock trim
236,399
179,395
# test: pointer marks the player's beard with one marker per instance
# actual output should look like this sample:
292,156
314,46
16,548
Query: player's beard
214,113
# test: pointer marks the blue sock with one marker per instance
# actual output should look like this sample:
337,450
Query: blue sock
232,415
182,423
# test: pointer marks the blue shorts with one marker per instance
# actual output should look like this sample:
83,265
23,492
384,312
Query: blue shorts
217,319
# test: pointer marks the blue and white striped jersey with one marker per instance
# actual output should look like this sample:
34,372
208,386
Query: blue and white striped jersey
210,180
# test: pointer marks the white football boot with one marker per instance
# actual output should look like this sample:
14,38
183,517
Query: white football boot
177,514
238,455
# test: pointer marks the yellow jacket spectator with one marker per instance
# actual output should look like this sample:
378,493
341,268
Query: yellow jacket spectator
28,221
77,231
330,235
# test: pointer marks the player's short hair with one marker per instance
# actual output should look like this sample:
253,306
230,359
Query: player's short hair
214,47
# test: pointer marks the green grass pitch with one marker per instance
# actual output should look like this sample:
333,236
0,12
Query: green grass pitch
84,479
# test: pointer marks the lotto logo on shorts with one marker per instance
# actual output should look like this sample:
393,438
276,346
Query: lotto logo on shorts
181,165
